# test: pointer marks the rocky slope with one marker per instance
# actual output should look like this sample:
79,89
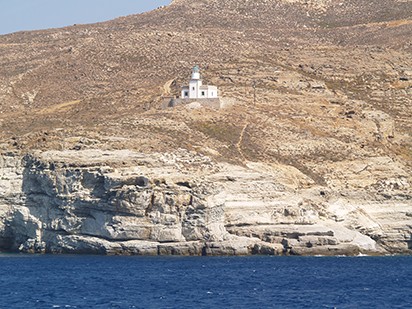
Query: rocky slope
312,156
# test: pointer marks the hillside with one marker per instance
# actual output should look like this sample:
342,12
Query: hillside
321,125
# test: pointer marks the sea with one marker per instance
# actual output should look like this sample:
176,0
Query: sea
77,281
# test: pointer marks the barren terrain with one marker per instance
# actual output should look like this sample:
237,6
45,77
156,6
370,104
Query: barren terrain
322,94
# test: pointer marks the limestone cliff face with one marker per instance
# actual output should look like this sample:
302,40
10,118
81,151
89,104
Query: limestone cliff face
123,202
312,153
113,202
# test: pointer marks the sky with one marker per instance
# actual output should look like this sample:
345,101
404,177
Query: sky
18,15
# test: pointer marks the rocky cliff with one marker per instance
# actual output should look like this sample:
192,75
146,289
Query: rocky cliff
313,155
123,202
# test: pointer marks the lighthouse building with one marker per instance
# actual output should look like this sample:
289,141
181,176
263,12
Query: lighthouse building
196,89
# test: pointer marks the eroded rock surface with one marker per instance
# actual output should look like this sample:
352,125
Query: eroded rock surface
183,203
311,154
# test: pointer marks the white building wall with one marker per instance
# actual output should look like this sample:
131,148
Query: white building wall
194,88
203,92
185,90
195,75
212,92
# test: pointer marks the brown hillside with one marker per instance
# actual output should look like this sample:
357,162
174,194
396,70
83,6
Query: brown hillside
333,82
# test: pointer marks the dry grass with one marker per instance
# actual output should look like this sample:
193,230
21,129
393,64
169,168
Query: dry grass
58,107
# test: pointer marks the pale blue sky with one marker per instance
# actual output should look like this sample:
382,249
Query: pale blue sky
17,15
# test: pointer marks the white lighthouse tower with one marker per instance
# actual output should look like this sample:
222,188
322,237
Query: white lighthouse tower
196,73
196,90
195,83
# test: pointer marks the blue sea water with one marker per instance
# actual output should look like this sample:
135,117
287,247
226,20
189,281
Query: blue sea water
204,282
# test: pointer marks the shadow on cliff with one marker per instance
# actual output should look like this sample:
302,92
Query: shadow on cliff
25,226
6,238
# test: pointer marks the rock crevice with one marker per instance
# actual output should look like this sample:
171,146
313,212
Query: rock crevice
86,202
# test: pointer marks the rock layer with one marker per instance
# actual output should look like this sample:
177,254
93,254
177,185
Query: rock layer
312,153
183,203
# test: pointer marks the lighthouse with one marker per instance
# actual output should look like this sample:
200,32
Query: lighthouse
196,89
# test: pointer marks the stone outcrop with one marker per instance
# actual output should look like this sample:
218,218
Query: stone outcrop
310,152
183,203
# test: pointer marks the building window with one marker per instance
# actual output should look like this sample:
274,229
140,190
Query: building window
212,94
203,93
186,93
193,88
